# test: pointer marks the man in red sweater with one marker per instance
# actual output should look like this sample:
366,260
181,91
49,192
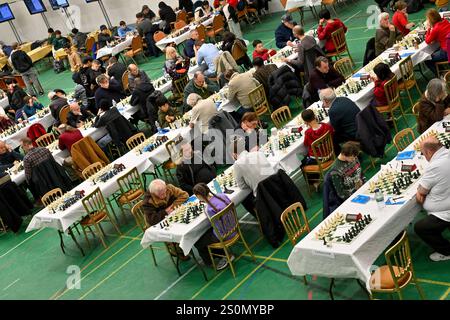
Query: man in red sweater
437,31
326,27
262,52
69,136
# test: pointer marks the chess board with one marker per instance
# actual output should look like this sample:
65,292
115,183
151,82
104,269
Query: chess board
88,124
15,169
184,214
54,146
151,144
283,140
180,122
394,182
42,113
158,83
283,53
13,129
352,86
65,202
107,173
339,229
320,112
227,180
443,137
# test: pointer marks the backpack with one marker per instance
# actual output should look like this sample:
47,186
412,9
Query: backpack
58,66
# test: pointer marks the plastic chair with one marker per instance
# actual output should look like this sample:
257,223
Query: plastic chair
158,36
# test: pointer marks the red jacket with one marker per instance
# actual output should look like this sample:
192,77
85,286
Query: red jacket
379,94
264,55
439,33
68,138
399,20
324,33
35,131
312,135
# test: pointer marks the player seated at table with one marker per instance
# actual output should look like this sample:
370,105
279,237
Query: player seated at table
96,70
323,76
437,30
400,18
146,30
239,87
263,72
283,34
50,36
67,138
166,113
188,50
110,90
382,75
167,16
215,203
228,41
433,194
79,39
139,98
192,169
342,113
58,100
202,11
74,59
104,37
5,122
203,110
115,69
327,26
261,52
148,13
186,5
59,42
175,66
31,105
346,174
105,116
206,52
315,130
8,157
134,73
124,29
250,131
434,105
80,94
386,34
77,116
15,96
200,85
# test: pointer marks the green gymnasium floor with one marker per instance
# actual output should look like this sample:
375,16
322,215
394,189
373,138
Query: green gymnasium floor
32,265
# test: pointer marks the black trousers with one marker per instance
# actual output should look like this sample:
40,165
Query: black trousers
430,230
202,245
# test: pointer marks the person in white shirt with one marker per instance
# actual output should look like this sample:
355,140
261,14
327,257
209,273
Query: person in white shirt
433,194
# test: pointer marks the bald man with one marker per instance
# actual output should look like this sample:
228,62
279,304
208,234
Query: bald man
433,194
77,116
135,73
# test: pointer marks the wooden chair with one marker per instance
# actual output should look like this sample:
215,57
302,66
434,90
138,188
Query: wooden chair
182,16
158,36
218,26
126,81
442,68
238,52
281,116
295,224
323,152
415,111
447,80
63,114
398,271
131,190
171,163
48,199
91,170
45,140
180,24
403,139
137,49
408,80
345,67
201,32
135,140
90,42
178,87
391,89
226,227
97,212
340,43
20,81
258,101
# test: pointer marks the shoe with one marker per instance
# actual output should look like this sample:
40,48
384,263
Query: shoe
436,257
223,263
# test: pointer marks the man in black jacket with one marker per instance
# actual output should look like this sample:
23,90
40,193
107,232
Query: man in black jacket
115,70
109,90
283,34
146,30
15,96
58,100
323,76
104,37
23,64
77,116
139,98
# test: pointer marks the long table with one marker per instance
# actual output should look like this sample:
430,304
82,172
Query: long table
112,51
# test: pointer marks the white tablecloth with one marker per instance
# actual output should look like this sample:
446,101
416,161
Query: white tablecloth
105,51
4,103
355,260
291,4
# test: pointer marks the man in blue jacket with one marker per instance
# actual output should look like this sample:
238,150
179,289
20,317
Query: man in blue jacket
283,34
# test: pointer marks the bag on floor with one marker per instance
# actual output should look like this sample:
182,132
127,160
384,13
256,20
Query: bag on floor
58,66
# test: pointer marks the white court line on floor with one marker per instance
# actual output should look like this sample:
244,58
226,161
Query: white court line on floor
174,283
352,16
11,285
12,249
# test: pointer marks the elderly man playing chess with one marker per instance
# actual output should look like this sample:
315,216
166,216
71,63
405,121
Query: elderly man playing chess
8,157
433,194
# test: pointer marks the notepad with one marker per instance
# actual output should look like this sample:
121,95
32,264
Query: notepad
407,155
163,131
361,199
406,54
191,199
392,202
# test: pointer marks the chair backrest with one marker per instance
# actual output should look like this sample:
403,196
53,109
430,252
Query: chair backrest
218,23
407,69
295,222
35,131
447,79
442,68
415,110
90,42
225,223
63,114
180,24
399,257
392,92
237,50
20,81
201,32
258,100
125,80
180,84
404,138
45,140
139,215
94,203
323,150
281,116
51,196
135,140
137,44
173,150
345,67
91,170
130,182
182,16
338,38
158,36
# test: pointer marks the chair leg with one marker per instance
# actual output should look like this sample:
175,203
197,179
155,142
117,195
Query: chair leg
247,247
153,255
100,235
305,281
85,235
112,210
419,289
115,226
61,241
229,262
212,259
199,266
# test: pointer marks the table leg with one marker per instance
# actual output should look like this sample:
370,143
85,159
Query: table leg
331,289
363,287
61,241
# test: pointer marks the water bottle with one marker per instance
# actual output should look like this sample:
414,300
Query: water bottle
158,127
379,198
274,136
217,186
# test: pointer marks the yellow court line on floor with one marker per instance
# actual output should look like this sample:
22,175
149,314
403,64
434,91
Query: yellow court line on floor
263,258
112,274
441,283
445,295
18,245
254,270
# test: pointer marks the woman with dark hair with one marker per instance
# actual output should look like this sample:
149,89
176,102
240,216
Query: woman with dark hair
229,39
186,5
202,11
383,74
215,204
31,106
167,15
326,27
148,13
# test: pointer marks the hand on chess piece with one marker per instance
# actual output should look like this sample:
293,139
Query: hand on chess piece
290,44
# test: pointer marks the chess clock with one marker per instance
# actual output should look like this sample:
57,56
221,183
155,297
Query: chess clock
408,167
353,217
297,130
364,77
446,125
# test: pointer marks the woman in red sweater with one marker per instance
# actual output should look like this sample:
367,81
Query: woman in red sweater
437,31
326,27
400,18
383,74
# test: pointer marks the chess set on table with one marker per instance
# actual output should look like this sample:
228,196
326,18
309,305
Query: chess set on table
151,144
18,167
352,86
158,83
107,173
13,129
180,122
227,180
410,41
285,138
394,182
193,62
178,32
342,228
88,124
320,112
124,102
65,202
42,113
184,214
283,53
220,96
443,137
53,146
